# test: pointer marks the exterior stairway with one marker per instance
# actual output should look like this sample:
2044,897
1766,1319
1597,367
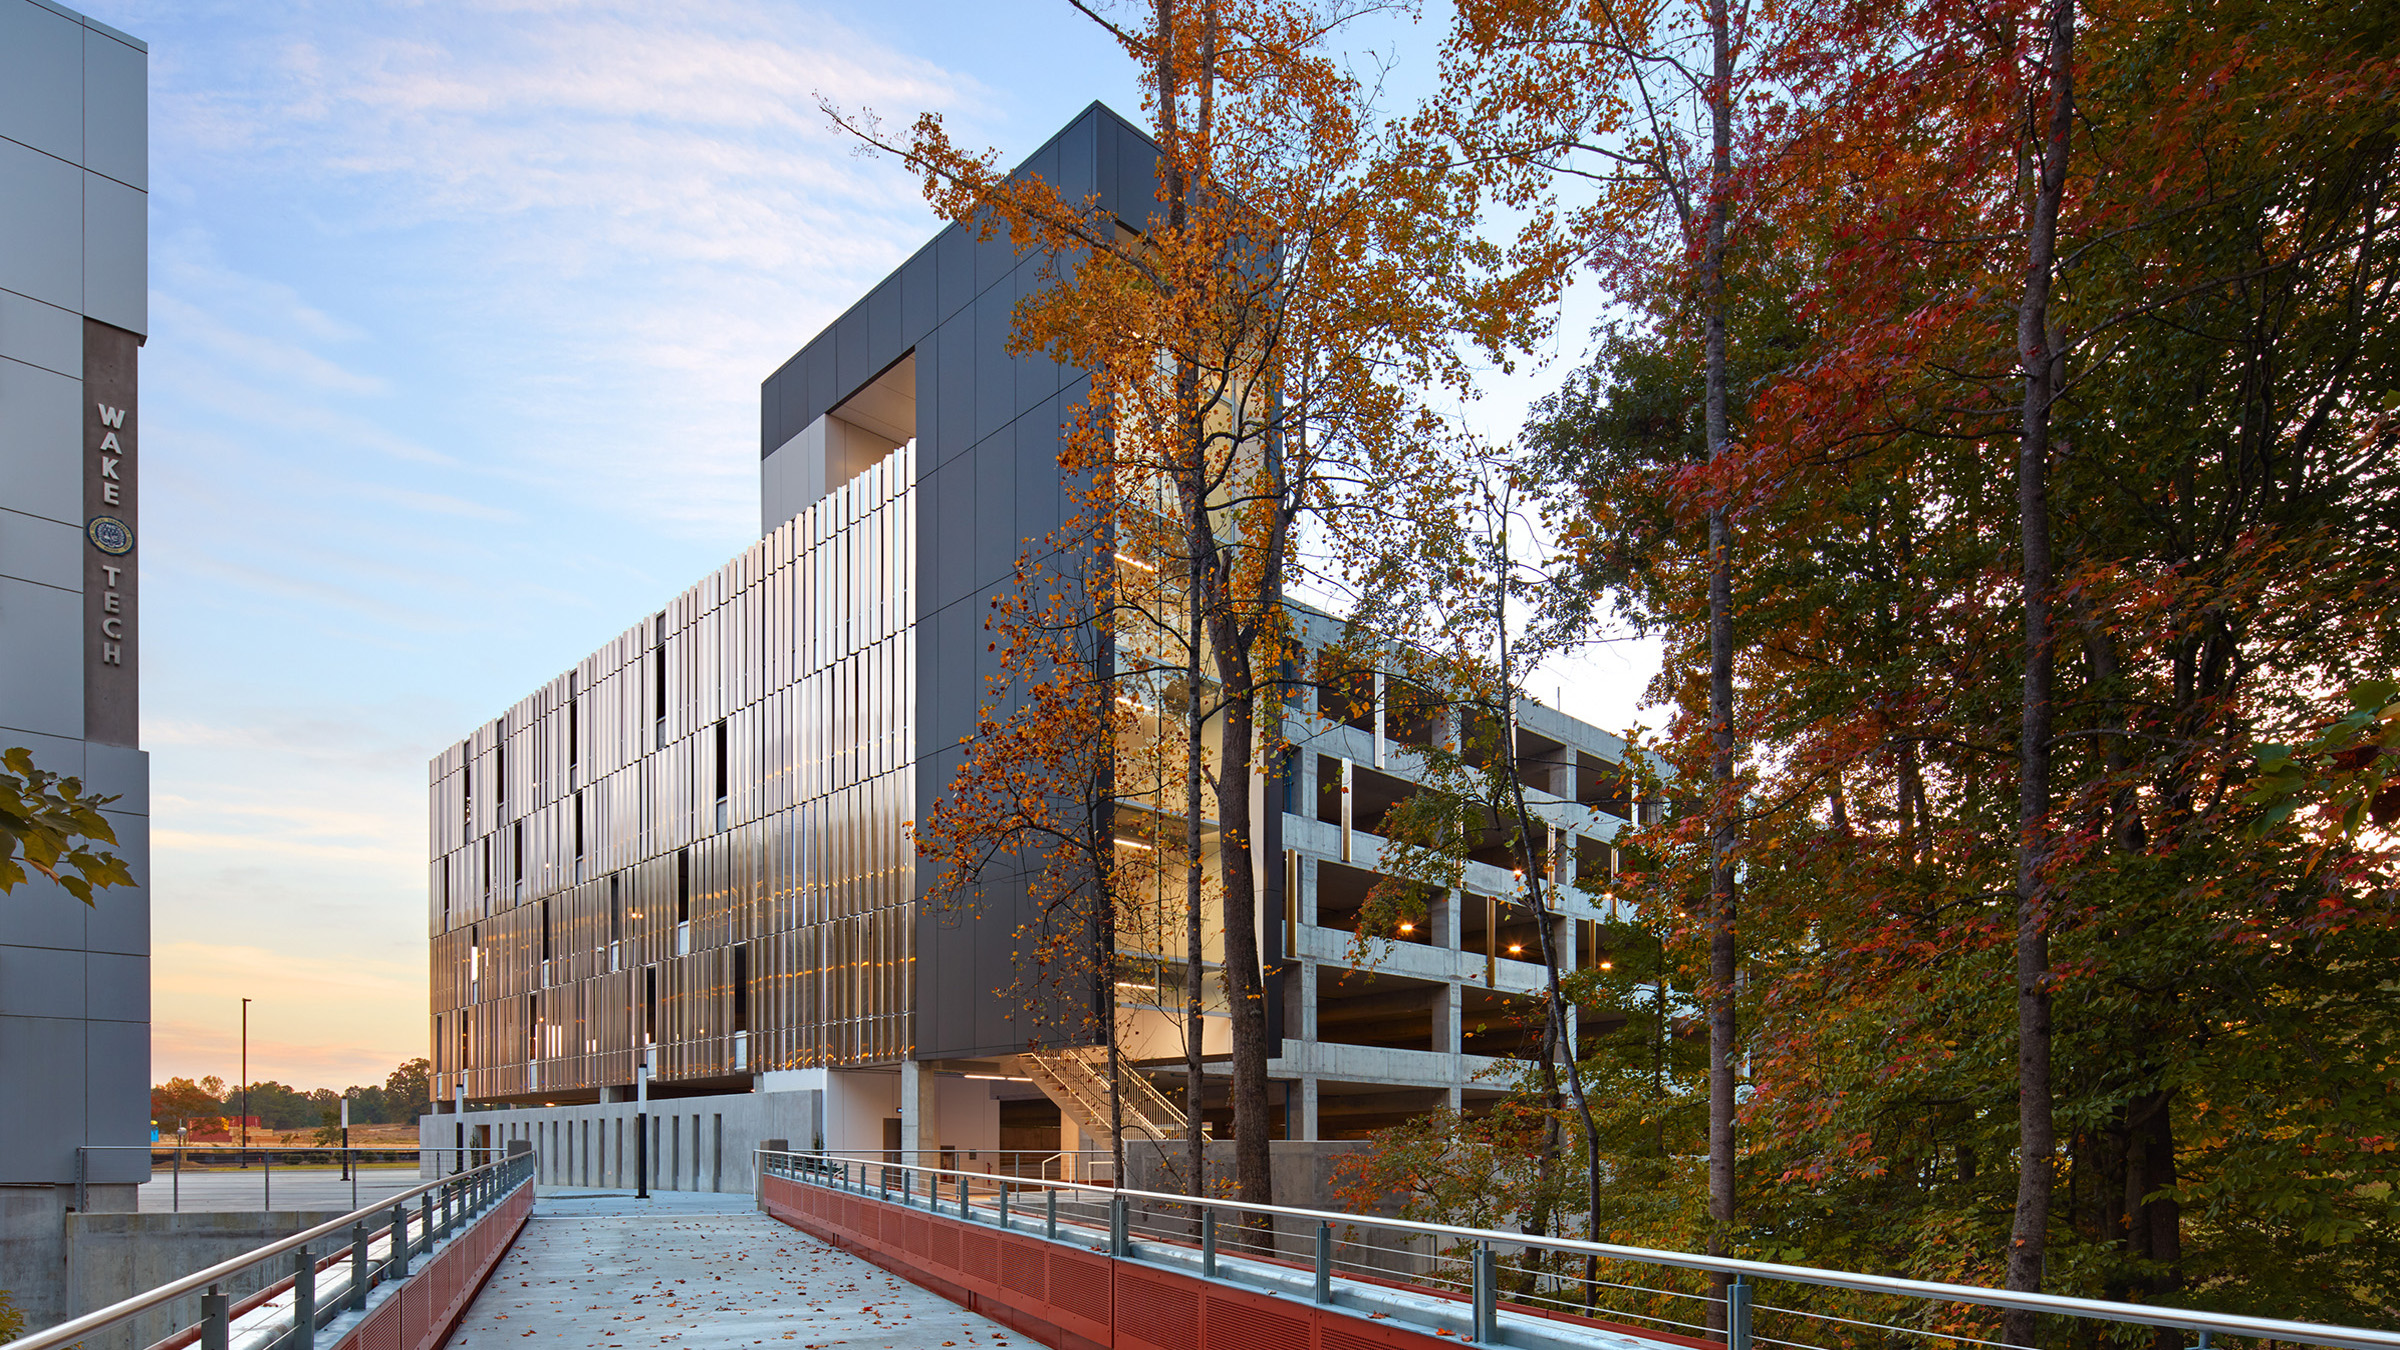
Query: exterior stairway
1077,1080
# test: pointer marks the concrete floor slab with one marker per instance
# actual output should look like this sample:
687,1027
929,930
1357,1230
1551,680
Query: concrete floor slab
600,1268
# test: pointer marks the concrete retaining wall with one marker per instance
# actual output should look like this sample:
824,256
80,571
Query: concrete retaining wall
697,1143
111,1257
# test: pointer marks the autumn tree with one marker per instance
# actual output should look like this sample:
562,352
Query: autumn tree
1255,342
180,1099
2185,401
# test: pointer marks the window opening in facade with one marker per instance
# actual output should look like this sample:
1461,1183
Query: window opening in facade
683,902
722,778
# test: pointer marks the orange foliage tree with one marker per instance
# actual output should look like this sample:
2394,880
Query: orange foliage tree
1257,343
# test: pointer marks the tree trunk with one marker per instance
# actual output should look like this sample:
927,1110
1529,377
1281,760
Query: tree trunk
1195,709
2164,1217
1723,1044
1252,1172
1195,963
2036,1130
1555,1035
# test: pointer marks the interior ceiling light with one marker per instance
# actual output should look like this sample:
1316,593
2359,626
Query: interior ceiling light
1408,928
1123,842
1516,949
1135,562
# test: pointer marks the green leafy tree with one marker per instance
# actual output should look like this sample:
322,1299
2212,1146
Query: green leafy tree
48,823
408,1090
181,1099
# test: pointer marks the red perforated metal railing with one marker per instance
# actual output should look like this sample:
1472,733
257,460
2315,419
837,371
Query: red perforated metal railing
1067,1295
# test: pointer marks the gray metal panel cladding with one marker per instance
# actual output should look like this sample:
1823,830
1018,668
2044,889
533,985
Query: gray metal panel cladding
995,370
988,483
954,394
852,364
954,272
1091,155
997,542
1041,498
920,295
883,333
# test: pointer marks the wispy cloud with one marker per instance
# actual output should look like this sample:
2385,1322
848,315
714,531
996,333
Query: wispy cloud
459,317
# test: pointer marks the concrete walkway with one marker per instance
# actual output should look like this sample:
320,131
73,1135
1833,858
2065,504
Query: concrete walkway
600,1268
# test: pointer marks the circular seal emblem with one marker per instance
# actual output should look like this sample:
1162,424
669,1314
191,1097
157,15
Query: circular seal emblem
110,535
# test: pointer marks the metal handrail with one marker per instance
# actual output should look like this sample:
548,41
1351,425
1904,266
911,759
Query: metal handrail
2230,1324
67,1333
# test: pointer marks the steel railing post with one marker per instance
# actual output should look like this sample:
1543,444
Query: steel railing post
304,1300
1487,1295
425,1229
1738,1297
963,1215
1119,1244
395,1263
1324,1261
1004,1206
358,1266
216,1319
1050,1221
1208,1242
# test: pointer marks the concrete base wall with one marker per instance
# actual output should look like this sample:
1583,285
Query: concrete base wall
34,1250
697,1143
111,1257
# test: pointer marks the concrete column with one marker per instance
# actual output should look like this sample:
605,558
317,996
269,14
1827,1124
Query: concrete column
1445,1022
1308,1007
917,1143
1307,1114
1446,920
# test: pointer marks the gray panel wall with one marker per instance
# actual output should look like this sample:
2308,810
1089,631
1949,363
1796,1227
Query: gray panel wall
74,980
988,434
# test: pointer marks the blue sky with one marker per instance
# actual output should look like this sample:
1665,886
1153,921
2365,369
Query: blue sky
458,316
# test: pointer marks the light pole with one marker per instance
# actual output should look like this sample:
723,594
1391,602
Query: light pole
245,1083
641,1129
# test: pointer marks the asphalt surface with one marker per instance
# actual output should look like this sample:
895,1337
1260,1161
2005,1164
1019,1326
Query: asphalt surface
600,1268
231,1189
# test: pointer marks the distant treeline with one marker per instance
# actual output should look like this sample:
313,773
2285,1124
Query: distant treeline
399,1099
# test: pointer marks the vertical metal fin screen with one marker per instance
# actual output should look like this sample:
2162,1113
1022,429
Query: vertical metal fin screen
802,647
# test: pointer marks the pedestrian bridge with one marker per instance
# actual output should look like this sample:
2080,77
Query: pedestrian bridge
860,1252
